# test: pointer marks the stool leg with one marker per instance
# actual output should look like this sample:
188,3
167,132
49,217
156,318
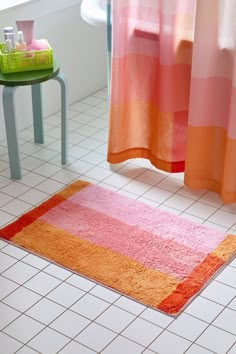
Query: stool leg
64,117
11,131
37,113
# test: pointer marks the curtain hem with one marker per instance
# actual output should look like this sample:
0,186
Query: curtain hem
166,166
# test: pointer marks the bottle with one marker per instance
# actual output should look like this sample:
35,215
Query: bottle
20,44
8,45
9,30
6,30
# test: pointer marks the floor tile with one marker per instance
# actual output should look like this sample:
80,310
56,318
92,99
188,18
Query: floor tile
45,311
179,202
7,315
3,244
191,193
115,319
30,163
142,332
96,337
232,304
9,344
65,295
23,328
80,282
16,207
80,167
228,276
93,157
70,323
187,326
26,350
232,350
74,347
201,210
34,196
157,194
47,169
4,182
104,293
216,339
20,272
130,305
48,341
15,189
42,283
14,251
168,343
4,199
90,306
212,199
223,218
227,321
65,176
196,349
6,287
31,179
220,293
150,177
156,317
170,184
137,187
204,309
57,271
35,261
22,299
123,345
49,186
5,218
98,173
6,261
116,180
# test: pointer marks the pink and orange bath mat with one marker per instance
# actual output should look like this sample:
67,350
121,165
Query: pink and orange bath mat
156,258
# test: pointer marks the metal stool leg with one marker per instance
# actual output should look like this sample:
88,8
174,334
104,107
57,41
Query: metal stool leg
64,117
11,131
37,113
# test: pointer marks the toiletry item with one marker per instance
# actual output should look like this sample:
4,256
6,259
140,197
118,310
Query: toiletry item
27,27
9,30
20,44
38,44
8,45
6,30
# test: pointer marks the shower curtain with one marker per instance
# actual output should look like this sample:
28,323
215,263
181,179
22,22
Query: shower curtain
172,95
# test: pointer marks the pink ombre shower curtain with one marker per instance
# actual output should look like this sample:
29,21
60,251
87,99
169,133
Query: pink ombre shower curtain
173,89
211,135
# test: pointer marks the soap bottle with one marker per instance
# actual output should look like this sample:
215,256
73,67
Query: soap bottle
8,45
20,44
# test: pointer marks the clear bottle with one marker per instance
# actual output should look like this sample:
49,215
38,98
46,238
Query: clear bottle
8,45
20,45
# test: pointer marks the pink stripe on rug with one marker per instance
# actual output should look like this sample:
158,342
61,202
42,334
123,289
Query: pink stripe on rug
144,216
141,245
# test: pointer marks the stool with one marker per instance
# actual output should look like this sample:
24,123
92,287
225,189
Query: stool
33,78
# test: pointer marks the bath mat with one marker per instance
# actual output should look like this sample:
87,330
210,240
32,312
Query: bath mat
149,255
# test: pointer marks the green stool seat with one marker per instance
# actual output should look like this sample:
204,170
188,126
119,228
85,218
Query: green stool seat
33,78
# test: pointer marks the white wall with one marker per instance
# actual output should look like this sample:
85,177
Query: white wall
79,47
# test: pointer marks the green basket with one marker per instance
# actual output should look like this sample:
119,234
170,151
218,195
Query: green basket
26,60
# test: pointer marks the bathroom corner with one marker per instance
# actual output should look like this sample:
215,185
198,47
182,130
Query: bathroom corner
79,48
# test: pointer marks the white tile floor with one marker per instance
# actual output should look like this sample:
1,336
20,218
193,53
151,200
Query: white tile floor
47,309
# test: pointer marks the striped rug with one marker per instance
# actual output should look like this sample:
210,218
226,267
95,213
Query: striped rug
152,256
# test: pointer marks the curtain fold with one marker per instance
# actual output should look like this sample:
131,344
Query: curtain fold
212,108
173,89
